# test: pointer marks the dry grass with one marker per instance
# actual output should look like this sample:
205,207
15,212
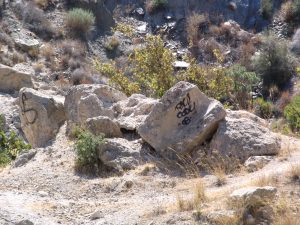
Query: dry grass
264,180
194,22
198,198
283,214
220,174
227,220
112,44
48,52
294,172
42,3
286,11
38,67
216,163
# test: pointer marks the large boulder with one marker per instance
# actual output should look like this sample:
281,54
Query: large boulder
132,112
243,134
88,101
41,115
103,125
120,154
183,119
13,80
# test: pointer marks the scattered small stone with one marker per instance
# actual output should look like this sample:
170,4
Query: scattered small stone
96,215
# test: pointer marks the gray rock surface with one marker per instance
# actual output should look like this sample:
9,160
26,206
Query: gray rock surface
132,112
24,158
295,44
25,222
13,80
41,115
120,154
103,125
255,163
243,134
88,101
183,119
253,195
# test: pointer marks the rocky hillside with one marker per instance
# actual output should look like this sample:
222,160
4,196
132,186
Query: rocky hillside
149,112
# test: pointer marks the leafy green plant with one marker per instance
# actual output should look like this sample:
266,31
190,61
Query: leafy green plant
263,108
86,146
2,122
124,28
152,67
151,70
10,146
80,21
243,82
292,113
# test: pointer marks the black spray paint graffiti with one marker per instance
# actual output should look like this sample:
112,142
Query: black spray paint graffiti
24,110
184,108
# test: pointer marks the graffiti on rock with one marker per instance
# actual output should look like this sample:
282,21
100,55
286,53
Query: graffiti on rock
26,110
184,108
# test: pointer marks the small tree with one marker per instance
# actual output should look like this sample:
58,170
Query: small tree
80,21
274,64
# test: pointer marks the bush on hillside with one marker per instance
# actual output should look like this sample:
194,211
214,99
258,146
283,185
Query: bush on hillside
266,8
86,149
194,22
151,70
79,21
274,64
153,5
292,113
263,108
37,22
243,81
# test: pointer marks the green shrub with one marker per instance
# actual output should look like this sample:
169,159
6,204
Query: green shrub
266,8
274,64
152,67
10,146
80,21
86,146
263,108
151,70
243,82
292,113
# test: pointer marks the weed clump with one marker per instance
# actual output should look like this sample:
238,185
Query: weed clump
79,21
